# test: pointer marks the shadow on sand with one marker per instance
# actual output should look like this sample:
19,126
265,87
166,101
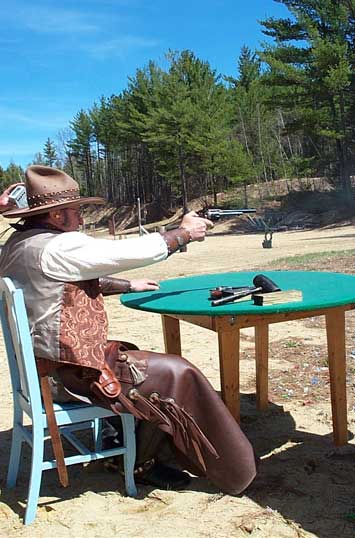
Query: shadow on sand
302,476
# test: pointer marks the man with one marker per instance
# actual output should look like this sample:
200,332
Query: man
63,274
149,441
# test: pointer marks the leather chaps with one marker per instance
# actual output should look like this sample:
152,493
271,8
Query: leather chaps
174,395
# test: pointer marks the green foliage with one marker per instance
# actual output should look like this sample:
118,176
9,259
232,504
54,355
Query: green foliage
186,117
12,174
184,131
256,124
311,73
80,149
170,133
50,157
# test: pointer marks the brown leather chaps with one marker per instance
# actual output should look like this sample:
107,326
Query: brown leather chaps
174,395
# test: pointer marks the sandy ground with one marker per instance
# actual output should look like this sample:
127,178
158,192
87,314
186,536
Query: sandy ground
305,487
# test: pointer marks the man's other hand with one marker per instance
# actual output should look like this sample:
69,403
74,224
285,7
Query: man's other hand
197,226
144,284
5,203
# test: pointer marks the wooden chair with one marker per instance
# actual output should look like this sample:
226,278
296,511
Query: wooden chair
70,417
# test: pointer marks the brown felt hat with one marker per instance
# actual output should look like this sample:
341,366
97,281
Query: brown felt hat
48,188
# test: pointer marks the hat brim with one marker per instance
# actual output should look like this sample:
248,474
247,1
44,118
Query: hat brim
27,212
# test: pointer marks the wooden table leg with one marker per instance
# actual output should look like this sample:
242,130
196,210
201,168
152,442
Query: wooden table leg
229,370
171,332
335,322
261,367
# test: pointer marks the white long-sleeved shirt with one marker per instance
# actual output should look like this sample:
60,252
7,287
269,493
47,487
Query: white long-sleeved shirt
74,256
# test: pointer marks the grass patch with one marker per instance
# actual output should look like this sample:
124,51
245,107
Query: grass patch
313,257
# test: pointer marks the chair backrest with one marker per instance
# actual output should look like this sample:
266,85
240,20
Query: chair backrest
19,348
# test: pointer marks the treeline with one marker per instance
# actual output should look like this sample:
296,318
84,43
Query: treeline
182,131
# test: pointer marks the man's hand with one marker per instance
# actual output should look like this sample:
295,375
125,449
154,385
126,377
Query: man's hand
196,226
144,284
5,203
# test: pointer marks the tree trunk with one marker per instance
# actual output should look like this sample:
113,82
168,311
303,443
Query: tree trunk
344,171
345,163
183,180
261,147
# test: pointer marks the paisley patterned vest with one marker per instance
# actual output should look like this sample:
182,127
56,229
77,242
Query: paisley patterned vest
67,320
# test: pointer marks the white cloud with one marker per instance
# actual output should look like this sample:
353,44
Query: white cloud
117,47
9,115
51,20
84,28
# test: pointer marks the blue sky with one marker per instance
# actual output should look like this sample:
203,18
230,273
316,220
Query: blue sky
58,57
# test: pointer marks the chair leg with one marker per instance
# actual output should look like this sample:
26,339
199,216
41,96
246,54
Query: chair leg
15,454
36,474
97,433
129,456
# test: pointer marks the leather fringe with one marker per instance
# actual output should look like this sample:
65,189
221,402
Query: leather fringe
165,412
187,429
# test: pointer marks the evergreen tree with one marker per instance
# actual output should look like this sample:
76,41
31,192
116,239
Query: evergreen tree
13,174
80,148
50,157
141,158
180,126
311,68
257,124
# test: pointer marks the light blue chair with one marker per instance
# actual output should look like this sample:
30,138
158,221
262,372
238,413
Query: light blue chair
70,417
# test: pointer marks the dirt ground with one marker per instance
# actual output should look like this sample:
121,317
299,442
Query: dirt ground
304,488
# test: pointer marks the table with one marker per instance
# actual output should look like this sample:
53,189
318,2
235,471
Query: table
324,293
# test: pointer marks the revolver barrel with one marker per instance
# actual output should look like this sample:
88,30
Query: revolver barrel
215,214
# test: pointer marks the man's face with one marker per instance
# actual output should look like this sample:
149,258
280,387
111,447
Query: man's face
73,218
68,219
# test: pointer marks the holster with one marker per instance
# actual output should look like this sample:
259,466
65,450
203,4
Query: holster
117,387
108,385
171,393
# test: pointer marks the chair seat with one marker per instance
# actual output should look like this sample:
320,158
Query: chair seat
67,406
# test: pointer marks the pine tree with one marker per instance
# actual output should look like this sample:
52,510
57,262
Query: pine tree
80,148
180,126
13,174
257,124
49,153
311,65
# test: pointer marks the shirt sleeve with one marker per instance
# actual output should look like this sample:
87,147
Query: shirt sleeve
74,256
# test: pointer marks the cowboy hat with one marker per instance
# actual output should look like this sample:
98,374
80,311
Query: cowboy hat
48,188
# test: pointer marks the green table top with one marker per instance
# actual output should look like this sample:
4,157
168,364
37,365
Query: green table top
189,295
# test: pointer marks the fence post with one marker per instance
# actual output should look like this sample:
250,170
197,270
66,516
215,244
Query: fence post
112,227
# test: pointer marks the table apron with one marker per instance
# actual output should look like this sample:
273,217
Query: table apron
232,322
